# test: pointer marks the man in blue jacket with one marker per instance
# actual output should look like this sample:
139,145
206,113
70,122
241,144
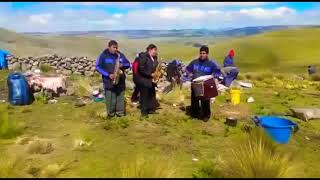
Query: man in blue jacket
3,59
200,67
105,65
229,70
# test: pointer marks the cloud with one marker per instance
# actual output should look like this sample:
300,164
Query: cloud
261,13
125,4
177,13
208,5
168,17
40,18
117,15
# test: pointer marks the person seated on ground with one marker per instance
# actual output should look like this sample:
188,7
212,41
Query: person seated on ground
312,70
229,70
3,58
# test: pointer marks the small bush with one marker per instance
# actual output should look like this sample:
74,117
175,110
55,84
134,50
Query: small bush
257,157
208,169
7,167
315,77
249,76
9,128
46,68
240,77
259,77
280,76
146,166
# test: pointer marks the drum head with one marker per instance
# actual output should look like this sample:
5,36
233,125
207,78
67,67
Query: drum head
203,78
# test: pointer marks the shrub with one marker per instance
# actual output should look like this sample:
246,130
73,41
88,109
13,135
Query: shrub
315,77
240,77
257,157
9,128
7,167
208,169
146,166
46,68
248,76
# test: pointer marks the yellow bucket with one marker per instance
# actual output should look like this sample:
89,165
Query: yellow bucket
235,96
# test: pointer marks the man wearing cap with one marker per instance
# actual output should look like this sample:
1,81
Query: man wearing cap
229,70
114,93
200,67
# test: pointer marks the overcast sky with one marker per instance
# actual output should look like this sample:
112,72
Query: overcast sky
88,16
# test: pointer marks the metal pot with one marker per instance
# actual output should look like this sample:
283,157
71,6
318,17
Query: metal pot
231,121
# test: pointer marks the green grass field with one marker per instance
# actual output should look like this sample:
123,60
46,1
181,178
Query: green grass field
163,145
85,144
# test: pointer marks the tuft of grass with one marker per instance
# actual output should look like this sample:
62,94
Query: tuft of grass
82,87
9,128
258,157
146,166
315,77
8,167
46,68
280,76
208,169
240,77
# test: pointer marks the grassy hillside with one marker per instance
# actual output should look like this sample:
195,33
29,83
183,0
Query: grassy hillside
284,50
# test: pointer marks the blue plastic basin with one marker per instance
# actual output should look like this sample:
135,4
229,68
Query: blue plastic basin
278,128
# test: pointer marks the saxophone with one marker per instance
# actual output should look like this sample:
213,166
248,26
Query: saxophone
158,73
117,71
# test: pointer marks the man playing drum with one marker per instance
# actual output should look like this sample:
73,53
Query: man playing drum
200,108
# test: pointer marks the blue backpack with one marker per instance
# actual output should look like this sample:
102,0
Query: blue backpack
19,90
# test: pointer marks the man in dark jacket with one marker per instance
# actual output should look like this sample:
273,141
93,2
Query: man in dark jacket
229,70
200,67
105,66
146,68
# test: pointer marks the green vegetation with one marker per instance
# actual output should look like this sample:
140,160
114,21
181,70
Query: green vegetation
87,144
258,157
277,51
8,128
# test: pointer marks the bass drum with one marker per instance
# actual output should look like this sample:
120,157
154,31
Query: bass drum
204,87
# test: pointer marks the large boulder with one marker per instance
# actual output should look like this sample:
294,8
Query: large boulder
306,113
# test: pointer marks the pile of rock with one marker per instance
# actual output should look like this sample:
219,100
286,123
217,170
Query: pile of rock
64,65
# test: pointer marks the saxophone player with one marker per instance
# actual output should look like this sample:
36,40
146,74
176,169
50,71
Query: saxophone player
144,77
106,66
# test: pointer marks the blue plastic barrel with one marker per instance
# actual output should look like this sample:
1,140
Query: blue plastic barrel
19,90
278,128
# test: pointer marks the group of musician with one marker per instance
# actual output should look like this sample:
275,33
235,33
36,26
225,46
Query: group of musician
144,73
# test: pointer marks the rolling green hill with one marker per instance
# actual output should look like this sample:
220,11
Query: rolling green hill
284,50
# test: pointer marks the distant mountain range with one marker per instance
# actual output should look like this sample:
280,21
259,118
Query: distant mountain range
137,34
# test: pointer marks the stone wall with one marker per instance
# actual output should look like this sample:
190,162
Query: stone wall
63,65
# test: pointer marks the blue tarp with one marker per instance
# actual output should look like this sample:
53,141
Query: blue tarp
3,60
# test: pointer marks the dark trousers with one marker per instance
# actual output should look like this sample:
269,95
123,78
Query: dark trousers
200,108
136,94
115,103
148,100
